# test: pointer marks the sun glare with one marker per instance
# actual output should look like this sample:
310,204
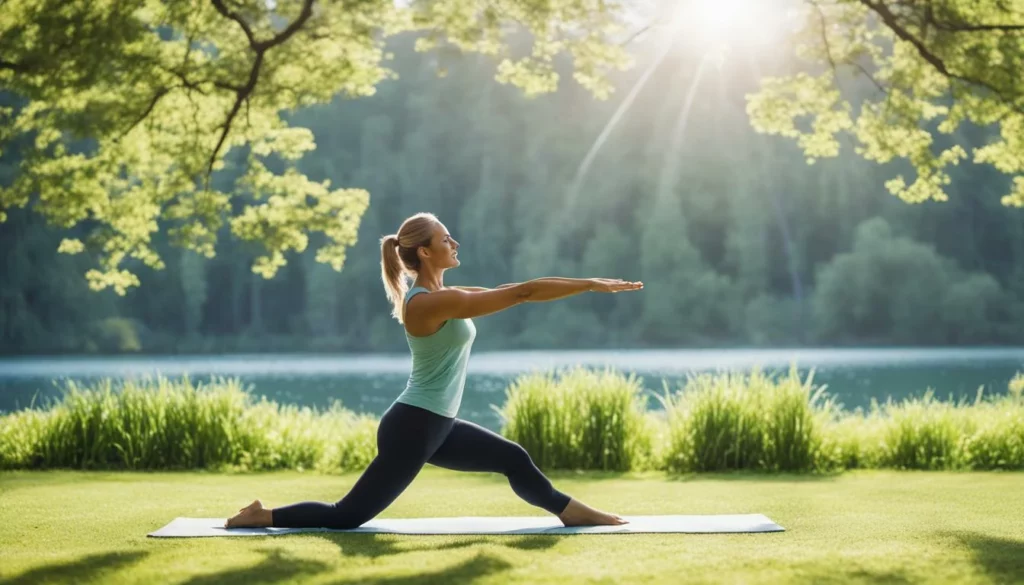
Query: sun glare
733,22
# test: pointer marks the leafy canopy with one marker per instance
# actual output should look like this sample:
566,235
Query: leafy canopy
933,64
131,106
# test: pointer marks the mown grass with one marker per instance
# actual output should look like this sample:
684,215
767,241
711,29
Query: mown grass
574,419
857,527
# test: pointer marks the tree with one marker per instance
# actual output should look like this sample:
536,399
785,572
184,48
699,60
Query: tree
133,106
194,290
697,303
935,64
891,288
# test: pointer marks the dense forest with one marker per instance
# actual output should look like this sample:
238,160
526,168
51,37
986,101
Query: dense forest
739,241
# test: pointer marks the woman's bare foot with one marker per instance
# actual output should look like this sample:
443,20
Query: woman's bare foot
252,516
579,514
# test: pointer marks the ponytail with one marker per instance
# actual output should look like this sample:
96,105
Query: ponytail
398,262
393,275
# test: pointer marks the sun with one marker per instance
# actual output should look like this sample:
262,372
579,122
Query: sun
733,22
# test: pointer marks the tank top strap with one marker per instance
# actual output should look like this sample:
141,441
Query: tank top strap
415,291
412,292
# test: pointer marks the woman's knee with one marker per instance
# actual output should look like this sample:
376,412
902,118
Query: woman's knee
517,457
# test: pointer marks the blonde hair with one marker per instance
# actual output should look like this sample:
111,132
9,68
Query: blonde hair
398,259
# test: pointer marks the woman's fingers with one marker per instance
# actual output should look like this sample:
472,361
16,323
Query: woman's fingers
619,285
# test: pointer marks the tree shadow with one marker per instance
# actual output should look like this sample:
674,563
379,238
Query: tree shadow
463,573
1000,558
376,545
83,569
532,542
275,567
843,576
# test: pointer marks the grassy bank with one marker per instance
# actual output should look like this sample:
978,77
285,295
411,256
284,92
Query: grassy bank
575,419
858,527
161,424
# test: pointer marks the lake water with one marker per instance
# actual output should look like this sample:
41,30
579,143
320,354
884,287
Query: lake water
369,383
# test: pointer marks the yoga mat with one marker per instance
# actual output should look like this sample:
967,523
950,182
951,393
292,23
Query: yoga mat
197,527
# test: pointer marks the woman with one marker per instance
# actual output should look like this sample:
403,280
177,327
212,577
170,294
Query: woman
420,426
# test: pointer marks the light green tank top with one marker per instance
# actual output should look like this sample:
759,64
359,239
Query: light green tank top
439,363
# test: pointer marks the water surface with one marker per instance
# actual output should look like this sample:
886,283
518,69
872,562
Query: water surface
369,383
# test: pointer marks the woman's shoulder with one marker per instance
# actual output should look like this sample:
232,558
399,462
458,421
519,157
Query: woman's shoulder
415,290
420,323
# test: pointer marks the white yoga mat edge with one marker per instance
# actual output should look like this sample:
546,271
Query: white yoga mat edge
182,527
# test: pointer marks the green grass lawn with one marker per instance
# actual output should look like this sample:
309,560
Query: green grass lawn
891,527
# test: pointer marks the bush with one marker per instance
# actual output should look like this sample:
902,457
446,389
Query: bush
732,421
162,424
925,433
580,419
922,433
735,421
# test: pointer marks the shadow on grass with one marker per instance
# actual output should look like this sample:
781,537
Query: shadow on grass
844,576
1000,558
276,567
379,545
77,571
466,572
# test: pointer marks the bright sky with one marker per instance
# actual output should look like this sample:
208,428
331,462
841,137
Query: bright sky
712,23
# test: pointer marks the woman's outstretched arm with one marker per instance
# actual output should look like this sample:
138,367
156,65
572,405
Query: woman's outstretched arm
459,304
482,288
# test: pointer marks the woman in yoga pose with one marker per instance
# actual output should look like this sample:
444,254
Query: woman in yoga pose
420,426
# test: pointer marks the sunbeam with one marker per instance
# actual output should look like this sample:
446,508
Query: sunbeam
581,171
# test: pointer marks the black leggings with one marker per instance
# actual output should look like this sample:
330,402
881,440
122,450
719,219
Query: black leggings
409,437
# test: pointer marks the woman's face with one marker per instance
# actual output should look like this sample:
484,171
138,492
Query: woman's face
443,248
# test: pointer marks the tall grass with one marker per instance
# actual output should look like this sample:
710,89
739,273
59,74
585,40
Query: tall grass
735,421
752,421
575,419
579,419
161,424
926,433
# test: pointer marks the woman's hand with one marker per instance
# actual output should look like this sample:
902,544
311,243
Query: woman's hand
614,285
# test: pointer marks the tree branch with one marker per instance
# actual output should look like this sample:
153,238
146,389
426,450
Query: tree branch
242,94
240,97
221,8
958,25
195,84
977,27
298,23
160,93
824,39
831,60
637,34
11,66
964,27
890,19
867,74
